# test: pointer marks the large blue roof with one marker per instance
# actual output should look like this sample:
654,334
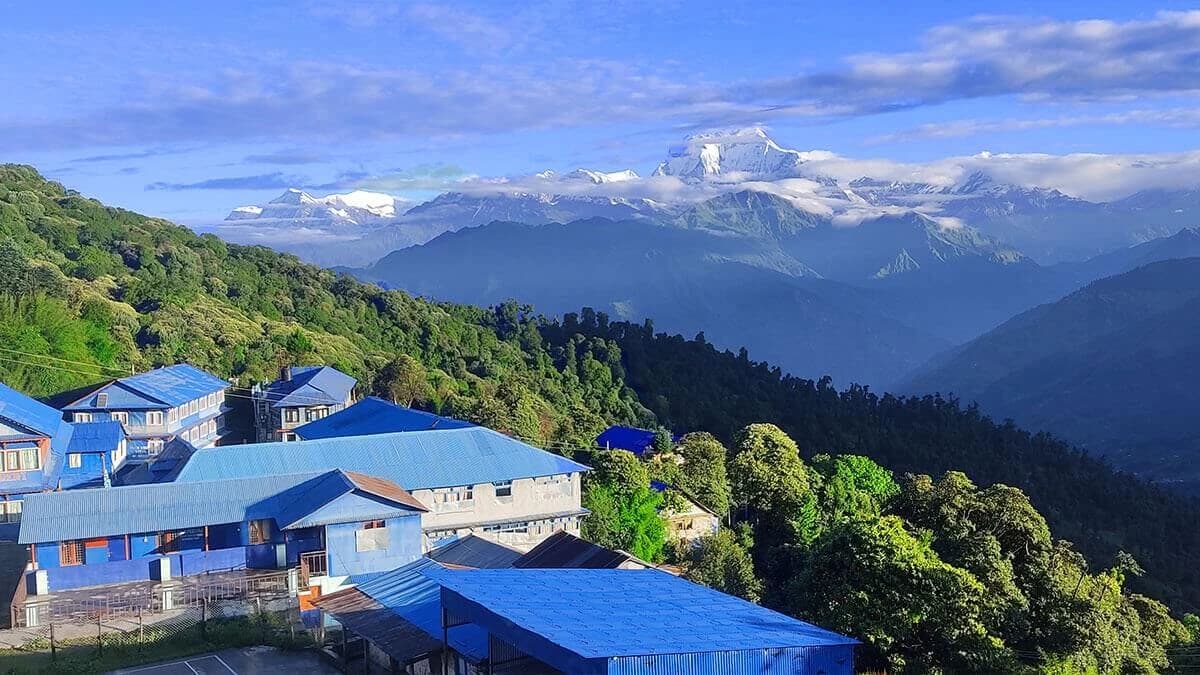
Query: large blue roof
413,460
26,412
165,387
83,514
376,416
311,385
96,436
417,599
604,613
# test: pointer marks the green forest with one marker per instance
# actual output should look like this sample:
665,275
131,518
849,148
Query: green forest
842,524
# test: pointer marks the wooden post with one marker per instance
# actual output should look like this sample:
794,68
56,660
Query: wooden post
445,644
141,629
53,647
203,618
99,634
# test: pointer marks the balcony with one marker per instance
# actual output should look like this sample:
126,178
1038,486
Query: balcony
313,564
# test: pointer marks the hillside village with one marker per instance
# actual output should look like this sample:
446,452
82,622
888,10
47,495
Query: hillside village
145,487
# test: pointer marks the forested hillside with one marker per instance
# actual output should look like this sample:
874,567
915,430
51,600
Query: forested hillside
1112,367
690,385
89,292
95,291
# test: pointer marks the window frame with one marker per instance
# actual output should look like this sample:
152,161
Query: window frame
503,488
152,415
78,548
260,530
74,460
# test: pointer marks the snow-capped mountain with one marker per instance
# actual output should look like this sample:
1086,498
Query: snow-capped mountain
736,155
1043,222
353,208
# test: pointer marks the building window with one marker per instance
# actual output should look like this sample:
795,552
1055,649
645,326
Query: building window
70,553
154,418
503,488
288,436
122,417
12,461
102,400
74,460
154,446
316,413
10,511
291,414
192,407
30,459
168,542
82,417
372,536
173,415
260,531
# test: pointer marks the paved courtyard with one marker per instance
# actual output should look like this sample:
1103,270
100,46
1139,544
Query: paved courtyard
247,661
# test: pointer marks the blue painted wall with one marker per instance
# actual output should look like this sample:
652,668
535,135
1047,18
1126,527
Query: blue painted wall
404,546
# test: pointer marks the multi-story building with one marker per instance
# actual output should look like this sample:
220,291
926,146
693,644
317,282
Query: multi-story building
472,479
40,451
302,394
327,527
174,402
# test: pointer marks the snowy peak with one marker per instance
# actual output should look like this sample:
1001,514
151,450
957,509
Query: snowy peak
353,208
737,154
600,177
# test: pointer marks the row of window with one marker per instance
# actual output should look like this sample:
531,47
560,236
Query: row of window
292,415
73,552
10,511
154,418
26,459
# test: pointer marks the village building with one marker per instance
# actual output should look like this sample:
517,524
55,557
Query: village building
327,527
40,451
472,479
174,402
374,415
302,394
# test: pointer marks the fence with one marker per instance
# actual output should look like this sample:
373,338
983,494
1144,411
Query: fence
106,632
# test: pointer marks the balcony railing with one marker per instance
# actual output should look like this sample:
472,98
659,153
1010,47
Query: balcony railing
313,564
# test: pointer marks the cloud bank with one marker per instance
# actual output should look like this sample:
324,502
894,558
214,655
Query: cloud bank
1079,61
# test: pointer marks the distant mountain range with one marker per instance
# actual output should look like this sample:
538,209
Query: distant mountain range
1112,367
1043,223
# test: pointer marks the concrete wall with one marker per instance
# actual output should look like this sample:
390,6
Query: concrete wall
532,498
345,558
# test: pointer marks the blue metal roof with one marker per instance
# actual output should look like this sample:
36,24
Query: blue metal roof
165,387
413,460
311,385
376,416
96,436
605,613
633,439
417,599
26,412
289,498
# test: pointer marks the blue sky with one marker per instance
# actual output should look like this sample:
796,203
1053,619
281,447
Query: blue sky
184,110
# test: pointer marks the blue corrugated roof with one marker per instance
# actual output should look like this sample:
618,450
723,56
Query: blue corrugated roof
83,514
413,460
24,411
162,387
311,385
376,416
96,436
632,439
602,613
417,599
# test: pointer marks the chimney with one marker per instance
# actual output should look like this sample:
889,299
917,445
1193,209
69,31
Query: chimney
285,374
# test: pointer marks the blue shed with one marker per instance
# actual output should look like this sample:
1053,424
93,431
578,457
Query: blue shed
633,439
627,622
